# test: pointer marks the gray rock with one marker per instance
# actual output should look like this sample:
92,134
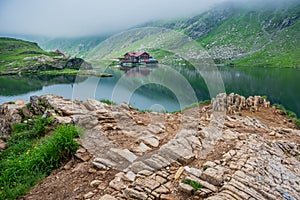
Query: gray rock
186,188
107,197
139,166
143,148
125,153
152,141
88,195
3,145
63,120
134,194
213,176
99,165
195,172
203,183
130,176
95,183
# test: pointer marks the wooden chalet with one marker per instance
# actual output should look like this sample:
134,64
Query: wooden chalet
137,58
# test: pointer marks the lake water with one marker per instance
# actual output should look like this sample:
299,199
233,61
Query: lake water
159,88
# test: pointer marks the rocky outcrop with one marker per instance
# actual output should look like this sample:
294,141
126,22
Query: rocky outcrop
10,113
126,154
46,63
233,103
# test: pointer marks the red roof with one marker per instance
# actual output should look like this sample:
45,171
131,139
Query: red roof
136,54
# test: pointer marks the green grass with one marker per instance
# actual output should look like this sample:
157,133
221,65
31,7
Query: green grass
72,72
32,154
13,52
297,123
194,184
289,114
254,36
108,102
197,104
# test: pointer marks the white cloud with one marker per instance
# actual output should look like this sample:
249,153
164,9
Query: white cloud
78,17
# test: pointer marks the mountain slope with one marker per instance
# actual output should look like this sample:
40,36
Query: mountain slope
18,56
72,46
246,35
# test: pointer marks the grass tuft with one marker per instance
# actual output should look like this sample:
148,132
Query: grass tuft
108,102
194,184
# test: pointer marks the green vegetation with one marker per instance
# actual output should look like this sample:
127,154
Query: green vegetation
194,184
264,97
32,154
73,72
108,102
297,123
14,53
243,35
197,104
255,36
289,114
23,57
78,47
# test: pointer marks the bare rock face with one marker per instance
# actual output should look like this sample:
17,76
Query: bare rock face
9,115
3,145
234,103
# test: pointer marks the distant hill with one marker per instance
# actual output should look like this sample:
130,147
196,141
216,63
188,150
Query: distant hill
78,47
17,56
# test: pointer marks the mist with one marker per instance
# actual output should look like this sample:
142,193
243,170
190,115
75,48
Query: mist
75,18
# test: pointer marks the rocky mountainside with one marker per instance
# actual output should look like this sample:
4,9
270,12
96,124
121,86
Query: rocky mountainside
18,56
248,35
233,148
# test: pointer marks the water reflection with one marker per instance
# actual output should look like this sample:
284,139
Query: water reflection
22,87
279,85
142,70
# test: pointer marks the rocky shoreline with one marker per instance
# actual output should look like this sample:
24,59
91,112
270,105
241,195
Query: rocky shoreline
233,148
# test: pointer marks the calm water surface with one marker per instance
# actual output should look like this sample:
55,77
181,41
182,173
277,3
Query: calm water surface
156,88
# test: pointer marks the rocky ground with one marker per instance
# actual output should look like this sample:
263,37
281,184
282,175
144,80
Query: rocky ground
235,148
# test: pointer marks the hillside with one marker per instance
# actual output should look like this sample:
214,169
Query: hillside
18,56
247,35
231,34
78,47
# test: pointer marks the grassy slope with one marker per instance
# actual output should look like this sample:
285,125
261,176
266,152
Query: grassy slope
13,52
260,36
73,46
32,153
247,36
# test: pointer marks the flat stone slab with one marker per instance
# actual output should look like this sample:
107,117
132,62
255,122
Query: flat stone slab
125,153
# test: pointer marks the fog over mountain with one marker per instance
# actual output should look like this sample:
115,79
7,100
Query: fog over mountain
74,18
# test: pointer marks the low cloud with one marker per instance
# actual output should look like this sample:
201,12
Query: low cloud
89,17
71,18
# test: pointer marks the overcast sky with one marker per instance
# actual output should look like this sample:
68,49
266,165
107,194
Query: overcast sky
58,18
